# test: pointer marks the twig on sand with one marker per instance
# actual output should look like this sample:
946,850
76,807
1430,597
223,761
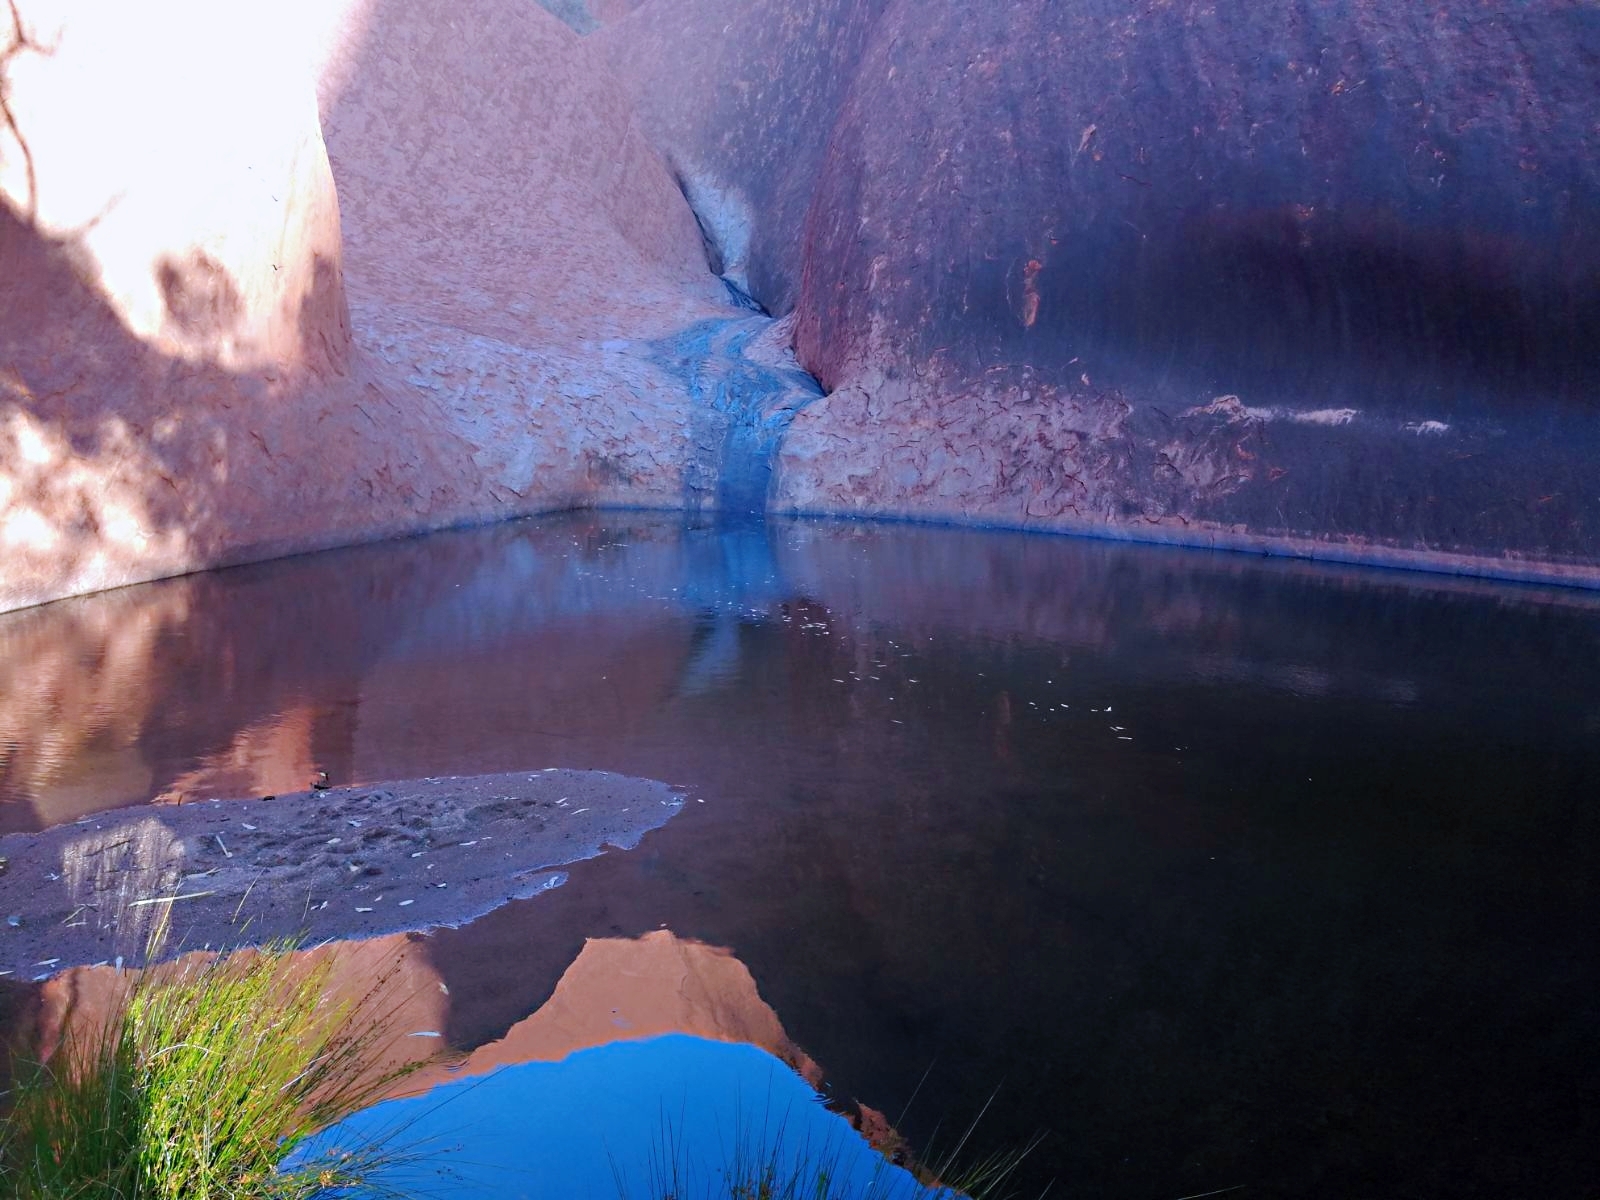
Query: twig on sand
170,899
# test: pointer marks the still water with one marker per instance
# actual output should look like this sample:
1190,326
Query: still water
666,1117
1217,872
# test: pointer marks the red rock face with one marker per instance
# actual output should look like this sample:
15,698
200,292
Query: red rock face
1321,278
1307,276
178,384
511,241
198,365
1046,243
742,96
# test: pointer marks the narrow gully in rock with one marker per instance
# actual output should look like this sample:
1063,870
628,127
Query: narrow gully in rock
742,409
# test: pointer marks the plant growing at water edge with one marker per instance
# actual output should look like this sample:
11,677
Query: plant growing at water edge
763,1164
210,1071
773,1176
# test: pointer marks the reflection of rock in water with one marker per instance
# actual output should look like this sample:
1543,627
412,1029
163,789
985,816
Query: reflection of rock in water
486,649
75,698
269,756
731,566
616,990
388,975
624,989
602,1051
733,579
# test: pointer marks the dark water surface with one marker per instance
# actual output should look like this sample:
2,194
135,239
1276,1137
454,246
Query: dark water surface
1220,872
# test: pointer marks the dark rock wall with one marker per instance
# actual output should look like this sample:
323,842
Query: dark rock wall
1321,277
1401,191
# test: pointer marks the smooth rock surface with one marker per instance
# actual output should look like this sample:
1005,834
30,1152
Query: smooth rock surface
1308,277
510,236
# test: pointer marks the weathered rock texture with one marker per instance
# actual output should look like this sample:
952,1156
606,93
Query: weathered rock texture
1321,278
1317,277
508,230
175,351
185,379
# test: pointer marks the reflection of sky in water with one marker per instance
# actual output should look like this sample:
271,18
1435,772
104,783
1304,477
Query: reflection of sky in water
605,1121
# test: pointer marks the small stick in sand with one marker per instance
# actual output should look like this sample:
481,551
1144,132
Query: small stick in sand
169,899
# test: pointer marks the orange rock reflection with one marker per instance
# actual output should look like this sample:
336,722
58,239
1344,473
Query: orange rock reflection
617,989
74,698
621,989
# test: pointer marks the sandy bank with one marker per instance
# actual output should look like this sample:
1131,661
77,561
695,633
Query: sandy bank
342,863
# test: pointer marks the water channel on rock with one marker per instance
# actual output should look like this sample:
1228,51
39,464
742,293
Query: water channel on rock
1216,871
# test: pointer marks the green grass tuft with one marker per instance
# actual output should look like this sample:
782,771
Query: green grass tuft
209,1073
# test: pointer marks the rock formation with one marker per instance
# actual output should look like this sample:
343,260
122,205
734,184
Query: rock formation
1316,278
1303,277
187,380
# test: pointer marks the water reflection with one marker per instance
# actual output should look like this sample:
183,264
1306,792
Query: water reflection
1292,865
615,989
72,699
708,1050
488,650
669,1116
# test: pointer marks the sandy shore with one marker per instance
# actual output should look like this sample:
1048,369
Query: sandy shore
347,862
